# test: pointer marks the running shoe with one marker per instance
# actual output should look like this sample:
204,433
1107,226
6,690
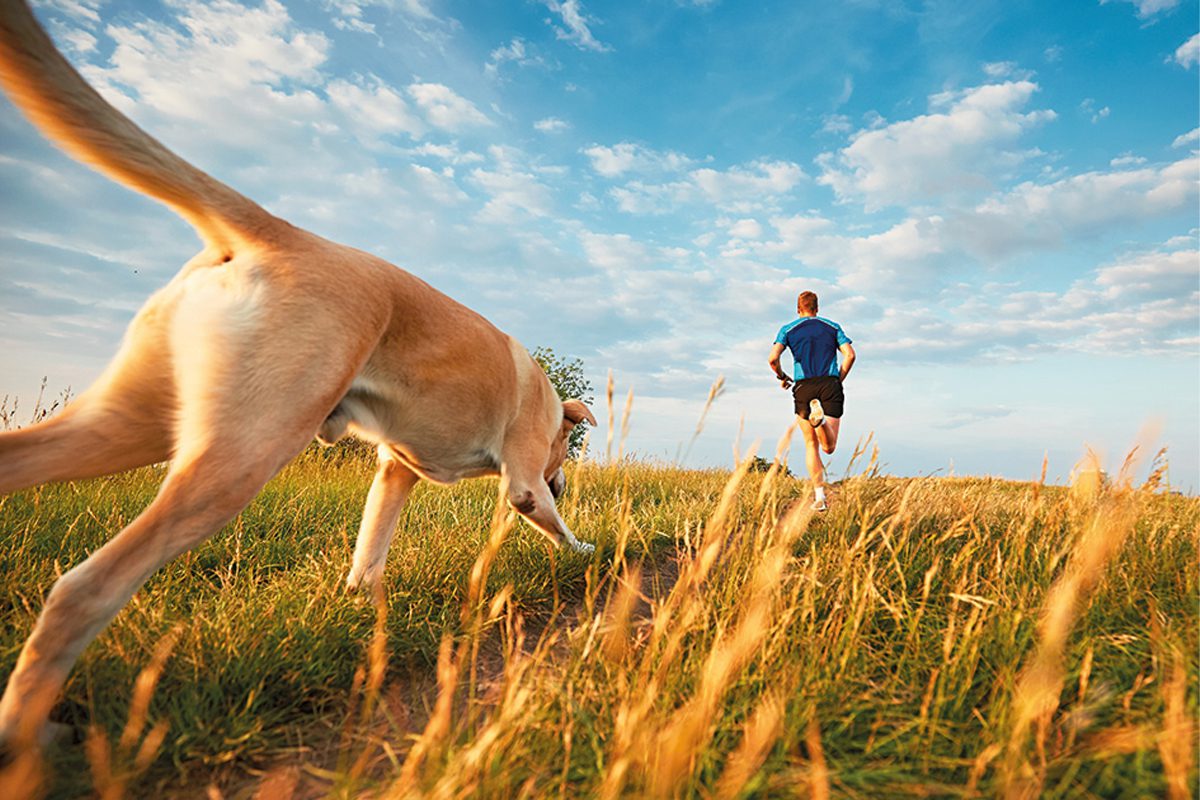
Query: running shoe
819,506
816,414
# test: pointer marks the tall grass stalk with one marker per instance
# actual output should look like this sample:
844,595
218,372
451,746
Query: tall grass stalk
932,636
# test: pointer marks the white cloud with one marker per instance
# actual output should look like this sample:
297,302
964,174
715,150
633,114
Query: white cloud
445,152
375,107
999,70
1151,276
628,157
615,252
514,194
86,11
1188,53
1088,107
847,91
637,197
745,229
551,125
968,137
1145,304
836,123
177,78
762,178
75,40
515,52
741,187
351,12
576,24
914,257
1147,8
445,109
1185,139
437,186
1127,160
1034,214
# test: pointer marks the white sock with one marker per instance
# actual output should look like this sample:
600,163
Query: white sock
820,493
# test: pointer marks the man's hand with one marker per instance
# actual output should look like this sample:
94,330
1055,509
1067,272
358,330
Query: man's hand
848,357
773,361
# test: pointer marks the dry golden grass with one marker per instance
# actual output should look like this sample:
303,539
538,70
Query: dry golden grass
930,636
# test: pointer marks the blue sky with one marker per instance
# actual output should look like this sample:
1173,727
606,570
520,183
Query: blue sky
997,200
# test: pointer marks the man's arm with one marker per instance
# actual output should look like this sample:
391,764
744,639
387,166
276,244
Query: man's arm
847,351
776,352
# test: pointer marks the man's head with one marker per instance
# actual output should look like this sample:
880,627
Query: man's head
806,304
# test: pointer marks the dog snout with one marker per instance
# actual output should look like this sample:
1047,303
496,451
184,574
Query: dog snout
557,483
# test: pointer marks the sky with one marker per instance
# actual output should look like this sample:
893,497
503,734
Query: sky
997,200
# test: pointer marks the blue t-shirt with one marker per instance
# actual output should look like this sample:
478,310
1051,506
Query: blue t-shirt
814,342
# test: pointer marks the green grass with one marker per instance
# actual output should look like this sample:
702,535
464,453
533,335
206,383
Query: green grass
879,655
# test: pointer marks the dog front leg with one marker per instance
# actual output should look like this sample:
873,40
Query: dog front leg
530,496
389,491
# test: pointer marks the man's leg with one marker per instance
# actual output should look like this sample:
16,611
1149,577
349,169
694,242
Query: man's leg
812,458
827,427
827,434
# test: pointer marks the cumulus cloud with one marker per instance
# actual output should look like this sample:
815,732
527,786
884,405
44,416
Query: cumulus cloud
551,125
740,183
638,197
376,108
515,52
915,256
514,190
1184,139
1049,214
1088,107
629,157
1144,304
1188,53
745,229
836,123
445,109
742,187
575,26
999,70
445,152
350,12
1147,8
968,138
85,11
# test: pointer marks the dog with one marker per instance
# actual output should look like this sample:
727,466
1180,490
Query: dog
268,336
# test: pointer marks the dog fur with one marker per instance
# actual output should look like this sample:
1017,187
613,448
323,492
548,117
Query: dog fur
269,336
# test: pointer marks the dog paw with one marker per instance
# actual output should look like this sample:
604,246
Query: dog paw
362,585
583,548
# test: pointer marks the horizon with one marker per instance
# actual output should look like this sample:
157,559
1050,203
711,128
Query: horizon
997,203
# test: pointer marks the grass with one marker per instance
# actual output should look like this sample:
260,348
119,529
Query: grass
929,637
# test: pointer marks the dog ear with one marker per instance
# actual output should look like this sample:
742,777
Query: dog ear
577,412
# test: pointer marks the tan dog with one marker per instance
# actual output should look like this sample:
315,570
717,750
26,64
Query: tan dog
269,335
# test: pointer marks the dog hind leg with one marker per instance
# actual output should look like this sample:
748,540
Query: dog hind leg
199,495
389,491
94,435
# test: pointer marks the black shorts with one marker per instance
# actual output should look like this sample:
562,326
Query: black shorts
827,389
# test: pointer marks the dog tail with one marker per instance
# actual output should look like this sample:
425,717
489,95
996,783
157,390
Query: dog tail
73,115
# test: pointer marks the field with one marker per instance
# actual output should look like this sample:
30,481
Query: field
946,637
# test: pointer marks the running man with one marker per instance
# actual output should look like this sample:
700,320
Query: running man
817,388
